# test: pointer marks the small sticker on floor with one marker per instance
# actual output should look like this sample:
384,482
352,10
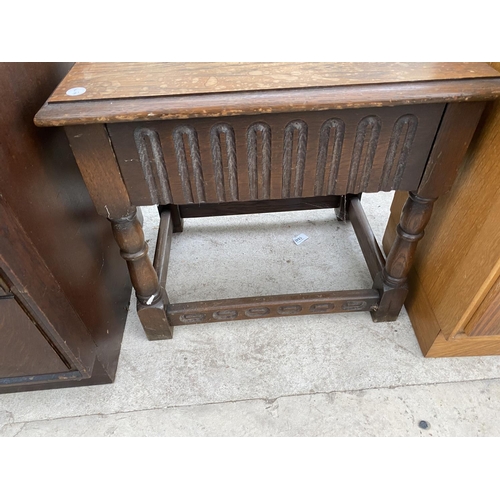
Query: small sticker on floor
300,239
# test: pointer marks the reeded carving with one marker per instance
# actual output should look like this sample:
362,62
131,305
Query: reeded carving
403,134
252,155
194,150
336,127
154,169
336,170
215,133
288,142
365,146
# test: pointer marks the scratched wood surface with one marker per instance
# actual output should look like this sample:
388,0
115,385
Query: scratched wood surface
160,91
122,80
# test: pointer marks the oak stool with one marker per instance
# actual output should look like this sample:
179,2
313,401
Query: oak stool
205,139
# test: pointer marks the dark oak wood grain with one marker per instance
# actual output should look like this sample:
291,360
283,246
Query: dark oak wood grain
163,246
258,206
288,156
36,288
272,306
392,280
371,251
151,300
97,163
457,128
24,348
56,224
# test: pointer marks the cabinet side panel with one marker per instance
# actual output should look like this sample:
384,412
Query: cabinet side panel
24,350
41,183
486,318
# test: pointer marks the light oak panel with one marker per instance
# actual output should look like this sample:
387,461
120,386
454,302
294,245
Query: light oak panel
122,80
486,319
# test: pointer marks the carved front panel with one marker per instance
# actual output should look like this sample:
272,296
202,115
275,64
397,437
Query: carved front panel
288,155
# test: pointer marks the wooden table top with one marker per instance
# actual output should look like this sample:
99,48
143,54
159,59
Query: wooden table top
125,80
110,92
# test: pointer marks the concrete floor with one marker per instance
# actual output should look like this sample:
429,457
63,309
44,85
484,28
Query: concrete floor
329,375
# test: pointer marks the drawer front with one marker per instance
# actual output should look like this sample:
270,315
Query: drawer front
275,156
24,351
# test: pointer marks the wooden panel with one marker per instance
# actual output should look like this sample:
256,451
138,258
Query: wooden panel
486,318
275,156
421,313
458,126
466,346
267,101
37,290
24,351
41,183
121,80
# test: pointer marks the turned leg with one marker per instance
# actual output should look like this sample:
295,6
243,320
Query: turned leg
151,298
391,282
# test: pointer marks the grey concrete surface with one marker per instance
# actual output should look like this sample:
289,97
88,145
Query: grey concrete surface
455,409
335,374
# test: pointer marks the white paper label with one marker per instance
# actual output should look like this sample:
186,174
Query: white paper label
76,91
300,239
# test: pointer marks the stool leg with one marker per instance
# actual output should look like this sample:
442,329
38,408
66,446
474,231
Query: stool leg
391,282
342,212
150,296
177,219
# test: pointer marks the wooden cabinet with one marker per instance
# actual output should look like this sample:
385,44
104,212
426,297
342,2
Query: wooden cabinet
454,299
64,289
